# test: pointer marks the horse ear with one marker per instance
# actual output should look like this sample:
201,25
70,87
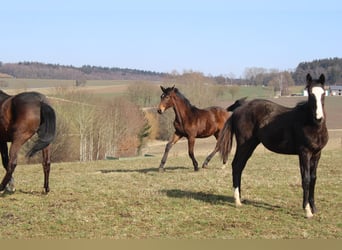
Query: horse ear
163,89
308,80
322,79
173,86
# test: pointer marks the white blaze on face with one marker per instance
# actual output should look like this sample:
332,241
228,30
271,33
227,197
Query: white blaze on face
318,92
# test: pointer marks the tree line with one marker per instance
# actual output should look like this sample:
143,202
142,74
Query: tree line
331,67
36,70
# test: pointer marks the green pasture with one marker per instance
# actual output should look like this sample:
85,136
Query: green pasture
130,199
23,84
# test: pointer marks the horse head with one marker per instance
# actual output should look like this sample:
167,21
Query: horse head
166,100
316,93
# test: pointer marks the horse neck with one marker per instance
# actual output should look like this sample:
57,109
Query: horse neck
182,108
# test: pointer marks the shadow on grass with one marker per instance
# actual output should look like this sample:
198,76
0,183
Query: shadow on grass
216,199
201,196
10,193
143,170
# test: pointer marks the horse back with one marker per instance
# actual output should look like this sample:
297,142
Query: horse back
266,122
210,121
280,129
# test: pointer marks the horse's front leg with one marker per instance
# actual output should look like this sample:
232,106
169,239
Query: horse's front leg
313,167
304,161
191,144
169,145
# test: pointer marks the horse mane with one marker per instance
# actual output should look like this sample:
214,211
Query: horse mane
301,104
185,100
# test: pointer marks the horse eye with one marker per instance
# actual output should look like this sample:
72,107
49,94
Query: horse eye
164,96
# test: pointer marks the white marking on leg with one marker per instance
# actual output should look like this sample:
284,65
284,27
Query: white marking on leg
318,92
237,197
10,186
223,166
308,212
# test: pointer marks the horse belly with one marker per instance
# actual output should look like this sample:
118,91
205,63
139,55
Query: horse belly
281,149
205,130
279,142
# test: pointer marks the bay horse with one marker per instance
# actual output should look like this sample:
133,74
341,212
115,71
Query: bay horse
21,116
192,122
298,131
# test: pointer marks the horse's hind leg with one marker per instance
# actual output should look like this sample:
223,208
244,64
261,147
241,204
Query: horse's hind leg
169,145
46,167
18,141
243,153
191,144
4,157
12,163
209,157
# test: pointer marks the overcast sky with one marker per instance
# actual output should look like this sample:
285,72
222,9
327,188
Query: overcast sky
214,36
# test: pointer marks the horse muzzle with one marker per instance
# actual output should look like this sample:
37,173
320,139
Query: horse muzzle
160,110
319,121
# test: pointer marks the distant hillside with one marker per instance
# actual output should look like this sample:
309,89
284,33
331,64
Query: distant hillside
37,70
331,68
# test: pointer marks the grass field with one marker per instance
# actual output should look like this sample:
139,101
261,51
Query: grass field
130,199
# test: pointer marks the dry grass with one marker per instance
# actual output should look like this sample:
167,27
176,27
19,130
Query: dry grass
130,199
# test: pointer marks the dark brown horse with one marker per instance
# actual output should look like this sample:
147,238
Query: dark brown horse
21,116
298,131
192,122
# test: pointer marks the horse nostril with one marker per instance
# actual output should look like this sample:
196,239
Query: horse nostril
159,111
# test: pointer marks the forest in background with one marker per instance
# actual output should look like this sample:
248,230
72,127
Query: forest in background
331,67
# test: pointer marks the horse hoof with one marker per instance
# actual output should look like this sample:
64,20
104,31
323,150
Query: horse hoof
308,213
45,191
238,204
161,170
10,189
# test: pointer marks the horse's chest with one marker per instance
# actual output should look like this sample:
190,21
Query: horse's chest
316,140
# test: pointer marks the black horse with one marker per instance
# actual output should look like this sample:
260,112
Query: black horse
21,116
298,131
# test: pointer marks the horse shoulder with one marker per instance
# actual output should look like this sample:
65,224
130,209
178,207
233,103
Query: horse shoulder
316,138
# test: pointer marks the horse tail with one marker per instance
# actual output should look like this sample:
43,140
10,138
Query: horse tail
237,104
47,129
225,140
